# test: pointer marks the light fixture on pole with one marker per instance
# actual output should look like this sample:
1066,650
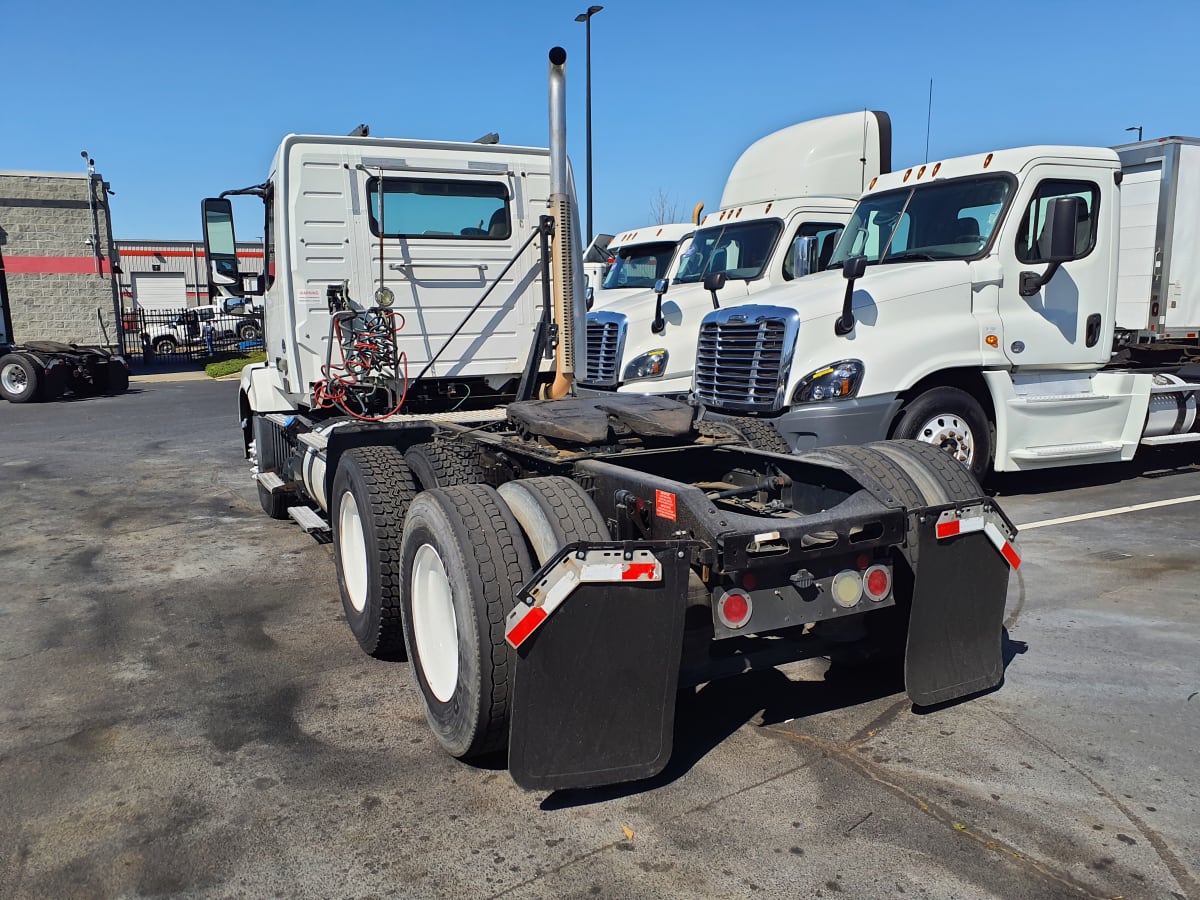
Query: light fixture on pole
1137,128
586,18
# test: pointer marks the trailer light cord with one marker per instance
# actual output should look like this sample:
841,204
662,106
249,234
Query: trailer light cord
367,346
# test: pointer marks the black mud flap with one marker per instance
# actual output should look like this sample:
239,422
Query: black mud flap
955,628
594,690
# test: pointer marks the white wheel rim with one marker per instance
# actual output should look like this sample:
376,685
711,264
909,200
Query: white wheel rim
434,625
952,434
14,378
352,551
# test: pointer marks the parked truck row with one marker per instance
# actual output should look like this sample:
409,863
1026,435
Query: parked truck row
554,565
1021,309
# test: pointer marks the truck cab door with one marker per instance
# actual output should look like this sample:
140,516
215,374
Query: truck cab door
1065,322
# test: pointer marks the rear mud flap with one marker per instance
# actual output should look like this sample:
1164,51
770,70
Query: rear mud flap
955,627
594,688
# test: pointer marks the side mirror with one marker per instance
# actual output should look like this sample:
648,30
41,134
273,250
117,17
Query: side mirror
659,325
804,256
220,246
852,269
1062,224
1062,221
713,282
589,296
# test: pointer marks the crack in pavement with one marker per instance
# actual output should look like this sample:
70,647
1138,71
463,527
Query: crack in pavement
849,755
1174,864
687,812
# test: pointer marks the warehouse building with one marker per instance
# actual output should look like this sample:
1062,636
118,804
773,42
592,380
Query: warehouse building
60,261
172,274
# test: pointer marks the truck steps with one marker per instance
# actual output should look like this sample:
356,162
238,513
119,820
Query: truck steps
1163,439
270,481
1068,451
308,519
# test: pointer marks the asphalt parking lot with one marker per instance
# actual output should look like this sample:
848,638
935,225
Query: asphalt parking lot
184,712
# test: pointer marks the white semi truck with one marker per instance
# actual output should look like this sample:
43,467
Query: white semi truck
792,189
972,303
637,259
556,569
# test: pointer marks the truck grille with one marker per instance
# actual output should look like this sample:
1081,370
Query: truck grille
605,342
743,357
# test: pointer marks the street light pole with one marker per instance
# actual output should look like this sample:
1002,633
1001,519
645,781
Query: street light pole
586,18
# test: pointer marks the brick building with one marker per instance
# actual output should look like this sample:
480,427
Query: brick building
59,255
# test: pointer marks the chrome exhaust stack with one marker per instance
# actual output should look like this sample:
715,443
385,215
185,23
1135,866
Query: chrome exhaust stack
566,274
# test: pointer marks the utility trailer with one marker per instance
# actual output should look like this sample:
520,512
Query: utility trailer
45,370
557,567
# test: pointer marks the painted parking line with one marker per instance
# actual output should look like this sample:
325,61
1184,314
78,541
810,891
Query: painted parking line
1115,511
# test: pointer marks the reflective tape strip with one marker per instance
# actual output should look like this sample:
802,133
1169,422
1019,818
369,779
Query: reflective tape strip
596,567
1007,550
959,526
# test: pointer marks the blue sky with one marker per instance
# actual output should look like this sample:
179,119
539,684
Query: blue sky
180,101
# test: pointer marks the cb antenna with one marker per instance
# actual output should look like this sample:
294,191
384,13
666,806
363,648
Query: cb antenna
928,119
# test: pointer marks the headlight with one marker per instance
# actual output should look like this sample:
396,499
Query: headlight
837,381
648,365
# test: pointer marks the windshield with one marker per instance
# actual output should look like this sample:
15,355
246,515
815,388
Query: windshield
639,265
740,251
939,220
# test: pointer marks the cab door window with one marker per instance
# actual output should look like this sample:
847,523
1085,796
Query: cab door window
1033,236
826,233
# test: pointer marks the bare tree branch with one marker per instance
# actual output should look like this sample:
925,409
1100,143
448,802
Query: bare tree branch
663,208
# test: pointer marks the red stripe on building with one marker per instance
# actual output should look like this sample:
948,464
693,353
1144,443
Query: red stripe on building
54,265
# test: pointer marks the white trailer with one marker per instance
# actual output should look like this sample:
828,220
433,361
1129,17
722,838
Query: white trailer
555,569
1158,284
972,303
782,210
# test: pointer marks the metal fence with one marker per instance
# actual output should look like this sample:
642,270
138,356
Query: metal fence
164,336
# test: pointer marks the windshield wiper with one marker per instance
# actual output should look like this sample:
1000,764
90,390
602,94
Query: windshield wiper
906,257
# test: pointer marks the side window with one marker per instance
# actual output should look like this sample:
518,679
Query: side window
826,233
1032,234
206,313
432,207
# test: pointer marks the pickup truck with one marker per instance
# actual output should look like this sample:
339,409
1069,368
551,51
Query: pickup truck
187,328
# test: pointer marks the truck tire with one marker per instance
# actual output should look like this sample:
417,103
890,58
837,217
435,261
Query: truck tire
953,420
20,377
553,511
462,562
939,477
371,493
248,332
165,346
443,463
761,434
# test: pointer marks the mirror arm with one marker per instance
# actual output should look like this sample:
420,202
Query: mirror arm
845,323
255,190
1032,282
659,325
716,305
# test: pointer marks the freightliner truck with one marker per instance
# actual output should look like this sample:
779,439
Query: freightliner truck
557,567
1008,307
635,261
789,191
45,370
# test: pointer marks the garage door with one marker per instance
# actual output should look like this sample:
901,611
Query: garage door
160,290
